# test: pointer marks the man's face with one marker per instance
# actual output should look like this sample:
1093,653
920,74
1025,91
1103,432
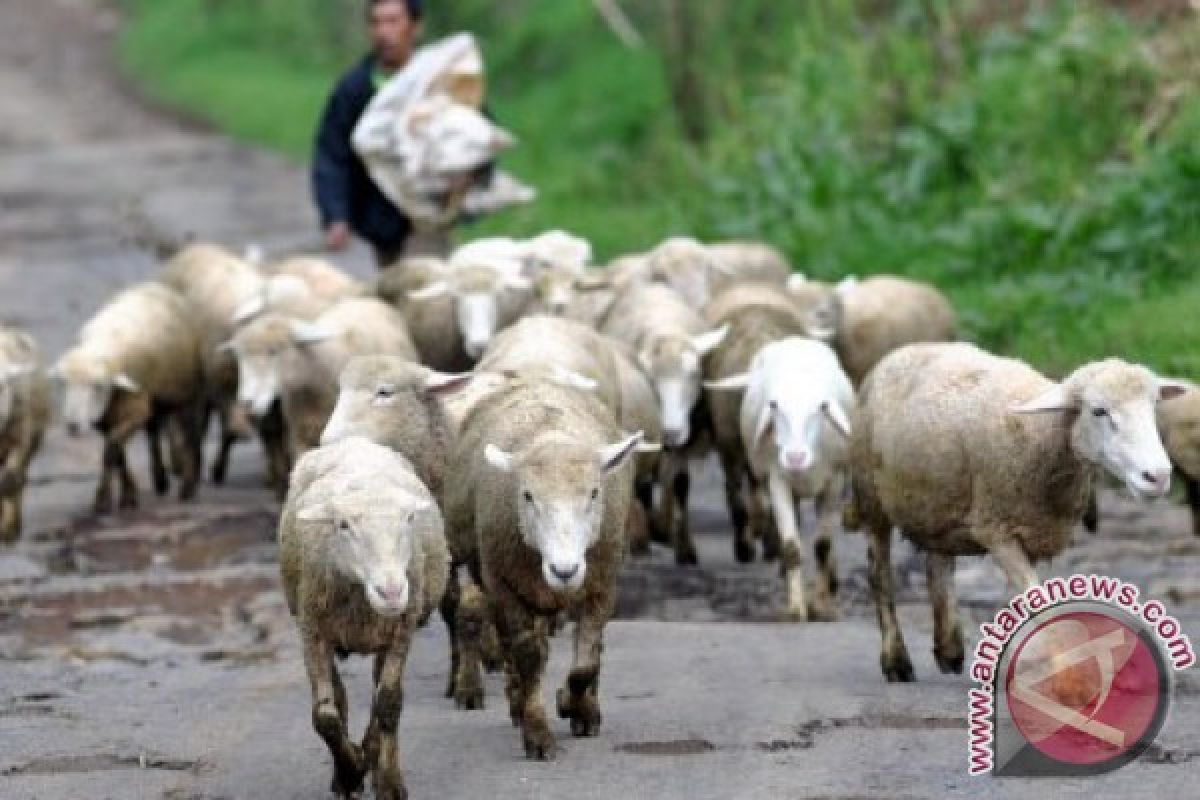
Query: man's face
392,32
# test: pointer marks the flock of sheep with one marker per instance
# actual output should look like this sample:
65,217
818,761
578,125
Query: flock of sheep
514,411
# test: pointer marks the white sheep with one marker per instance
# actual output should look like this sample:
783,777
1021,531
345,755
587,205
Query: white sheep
795,432
969,453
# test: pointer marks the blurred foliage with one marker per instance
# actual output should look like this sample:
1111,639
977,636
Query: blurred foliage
1040,161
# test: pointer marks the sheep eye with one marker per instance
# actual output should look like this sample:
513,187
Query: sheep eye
773,405
1099,412
595,493
528,495
343,526
385,392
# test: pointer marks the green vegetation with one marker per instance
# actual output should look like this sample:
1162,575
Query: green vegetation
1044,169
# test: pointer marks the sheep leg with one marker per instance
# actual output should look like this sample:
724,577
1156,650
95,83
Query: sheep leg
947,634
897,667
733,470
829,515
528,650
579,701
1010,557
784,509
1091,513
154,444
448,608
675,503
182,440
1192,487
644,491
273,433
470,622
380,745
348,763
12,486
762,523
102,503
637,532
10,518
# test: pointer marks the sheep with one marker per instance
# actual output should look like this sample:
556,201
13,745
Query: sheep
323,279
458,314
883,312
1179,425
216,285
969,453
794,432
671,340
754,316
24,413
538,513
138,365
748,261
298,362
687,266
364,562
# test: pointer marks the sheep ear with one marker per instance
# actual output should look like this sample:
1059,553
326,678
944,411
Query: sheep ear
572,379
846,285
796,281
321,512
649,447
730,383
438,383
705,343
500,459
1168,389
762,429
250,309
125,383
309,332
1055,398
435,289
613,455
834,412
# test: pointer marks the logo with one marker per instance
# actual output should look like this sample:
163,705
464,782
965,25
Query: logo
1075,679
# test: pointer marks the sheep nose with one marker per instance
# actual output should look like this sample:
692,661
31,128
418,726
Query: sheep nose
798,459
393,594
674,437
73,429
564,573
1159,479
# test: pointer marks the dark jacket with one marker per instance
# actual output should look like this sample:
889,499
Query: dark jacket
343,189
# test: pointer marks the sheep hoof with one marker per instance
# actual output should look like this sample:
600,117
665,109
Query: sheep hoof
796,615
390,788
743,551
686,557
161,483
823,613
470,699
539,743
950,664
187,492
898,670
582,711
103,503
128,502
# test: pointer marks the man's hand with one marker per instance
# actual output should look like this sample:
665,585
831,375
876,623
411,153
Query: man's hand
337,237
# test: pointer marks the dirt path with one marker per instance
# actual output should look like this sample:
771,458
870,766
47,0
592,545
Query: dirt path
150,655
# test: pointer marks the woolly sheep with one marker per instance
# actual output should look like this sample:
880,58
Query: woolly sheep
881,313
538,511
794,431
137,365
364,562
754,315
969,453
467,307
297,363
24,413
1179,424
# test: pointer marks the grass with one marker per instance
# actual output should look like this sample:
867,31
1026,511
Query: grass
1043,169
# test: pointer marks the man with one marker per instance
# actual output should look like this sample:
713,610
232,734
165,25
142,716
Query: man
347,199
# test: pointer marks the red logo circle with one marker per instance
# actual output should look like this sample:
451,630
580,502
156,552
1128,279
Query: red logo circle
1085,688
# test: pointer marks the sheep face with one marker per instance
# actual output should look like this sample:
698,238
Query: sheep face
88,386
371,391
1114,404
263,349
369,540
560,488
554,291
674,366
796,417
477,293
